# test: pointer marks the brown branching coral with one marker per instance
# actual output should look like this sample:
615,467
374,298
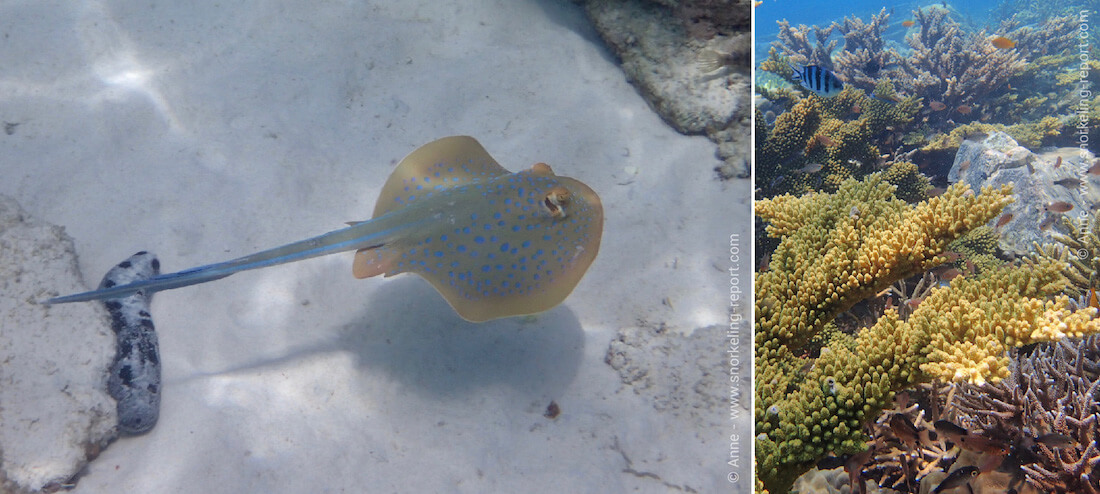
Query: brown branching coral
1080,247
954,66
1052,392
864,55
794,44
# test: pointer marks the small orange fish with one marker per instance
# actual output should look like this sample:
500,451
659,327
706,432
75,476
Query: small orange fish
825,140
935,191
1058,162
1005,218
950,274
964,109
1095,168
1003,42
982,444
904,429
964,165
856,108
937,105
1047,222
1058,207
907,23
1093,301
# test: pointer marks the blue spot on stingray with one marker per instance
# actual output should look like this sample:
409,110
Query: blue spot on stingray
515,228
466,230
461,248
443,237
526,244
479,239
438,253
496,215
473,216
485,268
504,247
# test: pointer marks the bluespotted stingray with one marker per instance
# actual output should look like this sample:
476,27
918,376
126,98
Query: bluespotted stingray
493,243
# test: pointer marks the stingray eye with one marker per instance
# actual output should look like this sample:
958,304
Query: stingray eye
555,201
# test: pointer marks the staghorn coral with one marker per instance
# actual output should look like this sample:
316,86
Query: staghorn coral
865,55
1052,389
794,44
838,249
1079,246
945,63
953,66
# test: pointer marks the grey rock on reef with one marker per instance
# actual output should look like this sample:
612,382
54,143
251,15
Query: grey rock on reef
661,59
56,414
1043,186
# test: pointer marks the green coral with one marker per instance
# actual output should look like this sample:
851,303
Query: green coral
912,185
1079,247
839,133
1029,135
977,250
838,249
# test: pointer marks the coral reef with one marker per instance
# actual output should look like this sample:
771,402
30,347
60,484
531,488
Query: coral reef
1044,412
839,133
1079,247
838,249
912,186
1051,390
949,65
1029,135
794,46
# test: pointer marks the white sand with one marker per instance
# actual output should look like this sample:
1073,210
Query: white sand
206,134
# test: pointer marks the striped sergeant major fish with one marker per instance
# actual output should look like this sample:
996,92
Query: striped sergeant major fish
820,80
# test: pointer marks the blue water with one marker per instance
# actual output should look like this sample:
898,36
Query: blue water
975,14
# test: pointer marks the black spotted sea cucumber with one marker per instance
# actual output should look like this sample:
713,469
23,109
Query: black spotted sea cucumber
134,381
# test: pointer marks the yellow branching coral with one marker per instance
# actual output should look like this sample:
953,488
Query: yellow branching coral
841,248
977,320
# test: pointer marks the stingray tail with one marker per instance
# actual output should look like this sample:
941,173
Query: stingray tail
361,235
193,276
